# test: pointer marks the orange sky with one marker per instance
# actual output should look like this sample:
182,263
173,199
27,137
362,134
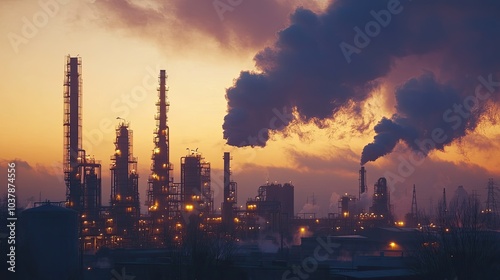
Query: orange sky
116,62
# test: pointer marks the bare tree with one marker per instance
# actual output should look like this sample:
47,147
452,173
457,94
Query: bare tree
460,247
208,254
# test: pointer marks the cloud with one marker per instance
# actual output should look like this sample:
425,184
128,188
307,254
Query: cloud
230,24
32,182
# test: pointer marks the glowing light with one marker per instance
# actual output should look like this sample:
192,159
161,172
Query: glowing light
302,229
252,206
392,244
189,207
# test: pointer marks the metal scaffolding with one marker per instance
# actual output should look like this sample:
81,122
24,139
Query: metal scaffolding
82,173
163,196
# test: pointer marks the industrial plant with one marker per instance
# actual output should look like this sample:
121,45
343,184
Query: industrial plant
170,204
180,218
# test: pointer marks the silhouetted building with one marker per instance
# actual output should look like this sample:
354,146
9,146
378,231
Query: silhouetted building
195,183
229,202
125,207
163,195
381,199
82,173
284,194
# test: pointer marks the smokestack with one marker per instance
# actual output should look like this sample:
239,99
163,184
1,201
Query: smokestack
227,175
362,181
227,204
445,204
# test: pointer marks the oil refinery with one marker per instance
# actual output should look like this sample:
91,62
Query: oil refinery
179,231
170,203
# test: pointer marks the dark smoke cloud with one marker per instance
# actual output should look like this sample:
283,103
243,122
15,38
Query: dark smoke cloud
305,70
419,121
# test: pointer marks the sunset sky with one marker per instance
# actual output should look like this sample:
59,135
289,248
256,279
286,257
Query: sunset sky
124,44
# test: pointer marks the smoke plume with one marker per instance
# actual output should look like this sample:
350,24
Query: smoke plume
307,71
419,121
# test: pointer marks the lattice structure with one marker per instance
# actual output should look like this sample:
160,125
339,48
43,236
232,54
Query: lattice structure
82,173
163,197
414,209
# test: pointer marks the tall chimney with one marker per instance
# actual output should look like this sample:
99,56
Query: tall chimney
227,204
362,181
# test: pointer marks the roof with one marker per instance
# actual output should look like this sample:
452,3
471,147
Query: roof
372,274
354,236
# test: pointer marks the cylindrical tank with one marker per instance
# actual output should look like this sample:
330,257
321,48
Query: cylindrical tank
49,243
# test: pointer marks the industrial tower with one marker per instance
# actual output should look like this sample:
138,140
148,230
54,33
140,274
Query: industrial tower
412,218
414,209
381,200
443,208
229,203
163,194
125,207
491,210
195,183
82,173
362,181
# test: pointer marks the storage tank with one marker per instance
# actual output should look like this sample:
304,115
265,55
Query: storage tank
48,243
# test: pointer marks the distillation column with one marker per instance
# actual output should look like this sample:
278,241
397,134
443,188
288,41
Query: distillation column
72,133
162,193
125,207
82,173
